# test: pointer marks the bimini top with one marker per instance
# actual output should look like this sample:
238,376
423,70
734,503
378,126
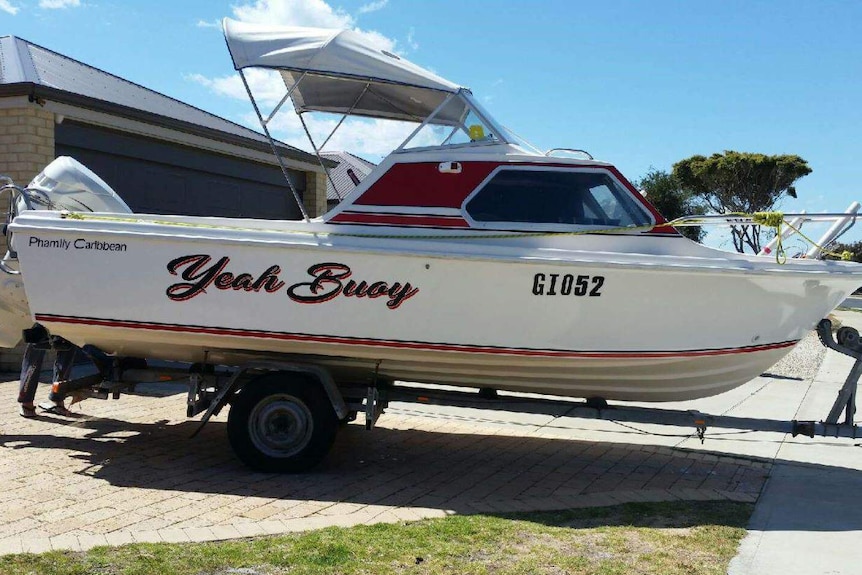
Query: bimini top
340,73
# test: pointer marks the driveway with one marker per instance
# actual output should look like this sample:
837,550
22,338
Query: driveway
127,471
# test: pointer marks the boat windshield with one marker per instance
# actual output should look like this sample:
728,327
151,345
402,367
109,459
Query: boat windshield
457,122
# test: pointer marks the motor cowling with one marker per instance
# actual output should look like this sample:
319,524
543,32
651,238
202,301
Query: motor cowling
66,184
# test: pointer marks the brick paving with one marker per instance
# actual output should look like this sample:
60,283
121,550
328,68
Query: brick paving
126,470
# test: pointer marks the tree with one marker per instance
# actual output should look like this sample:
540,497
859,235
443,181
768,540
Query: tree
855,250
743,183
672,201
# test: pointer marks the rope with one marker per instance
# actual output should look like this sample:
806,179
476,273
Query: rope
769,219
846,255
773,220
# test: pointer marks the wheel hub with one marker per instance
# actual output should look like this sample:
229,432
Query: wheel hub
280,425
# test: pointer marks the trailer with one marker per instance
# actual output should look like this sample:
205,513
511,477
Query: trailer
284,415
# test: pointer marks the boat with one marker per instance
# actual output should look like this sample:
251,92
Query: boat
466,258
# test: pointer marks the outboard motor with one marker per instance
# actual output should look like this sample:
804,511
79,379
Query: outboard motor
64,184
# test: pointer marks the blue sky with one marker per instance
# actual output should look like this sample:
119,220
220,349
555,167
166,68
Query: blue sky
638,84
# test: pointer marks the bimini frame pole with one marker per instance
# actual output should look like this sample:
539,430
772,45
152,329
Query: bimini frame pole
263,124
344,117
332,133
317,153
445,101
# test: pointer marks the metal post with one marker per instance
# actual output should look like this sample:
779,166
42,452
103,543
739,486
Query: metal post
274,148
848,344
317,153
347,113
284,99
426,122
332,133
846,400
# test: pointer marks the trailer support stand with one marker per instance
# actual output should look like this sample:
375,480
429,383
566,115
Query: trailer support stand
848,344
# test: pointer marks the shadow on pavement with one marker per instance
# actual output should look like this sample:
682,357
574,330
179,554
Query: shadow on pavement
393,467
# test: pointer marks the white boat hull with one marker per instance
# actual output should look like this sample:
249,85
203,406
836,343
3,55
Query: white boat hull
644,327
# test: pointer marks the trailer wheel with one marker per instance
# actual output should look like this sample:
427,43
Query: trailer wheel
281,423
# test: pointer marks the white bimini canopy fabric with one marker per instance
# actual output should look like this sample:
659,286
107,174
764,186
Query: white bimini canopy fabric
343,74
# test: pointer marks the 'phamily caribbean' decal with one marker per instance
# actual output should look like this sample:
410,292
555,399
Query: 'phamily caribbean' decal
325,281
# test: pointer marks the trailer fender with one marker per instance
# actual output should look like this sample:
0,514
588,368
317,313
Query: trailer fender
237,380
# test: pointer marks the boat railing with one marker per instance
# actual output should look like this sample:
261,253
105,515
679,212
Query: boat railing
788,225
15,192
838,228
555,151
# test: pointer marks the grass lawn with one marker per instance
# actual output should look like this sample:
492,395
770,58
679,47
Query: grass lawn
663,538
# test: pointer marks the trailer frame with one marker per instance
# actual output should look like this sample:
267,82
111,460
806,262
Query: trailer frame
211,388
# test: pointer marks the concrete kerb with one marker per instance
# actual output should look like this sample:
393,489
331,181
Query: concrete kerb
806,519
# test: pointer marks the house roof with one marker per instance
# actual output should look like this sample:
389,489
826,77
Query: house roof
343,182
34,71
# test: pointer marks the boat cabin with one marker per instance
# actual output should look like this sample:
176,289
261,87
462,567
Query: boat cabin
459,168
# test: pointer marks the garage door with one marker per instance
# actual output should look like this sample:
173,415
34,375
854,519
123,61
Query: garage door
161,178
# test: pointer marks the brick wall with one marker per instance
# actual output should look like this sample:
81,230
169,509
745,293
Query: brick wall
314,197
26,146
26,142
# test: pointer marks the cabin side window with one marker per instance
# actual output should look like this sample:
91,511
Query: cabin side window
565,197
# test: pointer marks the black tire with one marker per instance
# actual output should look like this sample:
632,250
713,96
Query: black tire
282,423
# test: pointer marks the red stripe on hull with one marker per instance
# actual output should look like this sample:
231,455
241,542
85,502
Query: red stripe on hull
461,348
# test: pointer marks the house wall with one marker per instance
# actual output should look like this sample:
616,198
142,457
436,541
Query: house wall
26,142
26,146
315,194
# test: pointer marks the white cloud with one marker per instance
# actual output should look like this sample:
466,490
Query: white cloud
373,6
372,138
266,85
211,24
58,4
312,13
378,40
411,39
6,6
294,13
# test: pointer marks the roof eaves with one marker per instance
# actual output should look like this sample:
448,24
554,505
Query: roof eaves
365,162
35,92
31,86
